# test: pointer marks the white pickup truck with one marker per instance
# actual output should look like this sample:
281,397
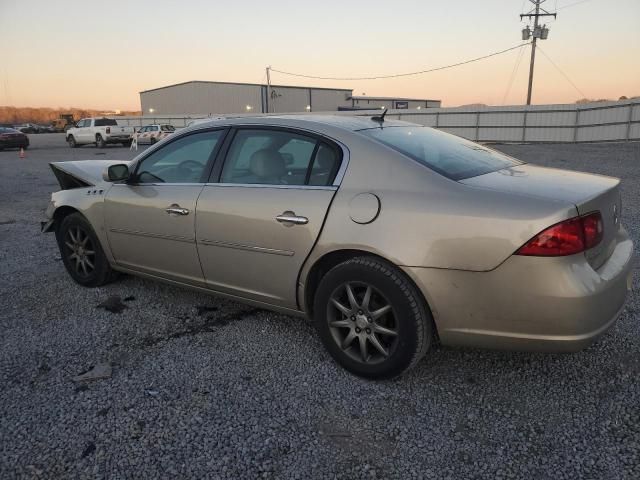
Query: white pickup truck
98,131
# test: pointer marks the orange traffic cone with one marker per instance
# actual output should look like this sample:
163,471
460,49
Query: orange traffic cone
21,152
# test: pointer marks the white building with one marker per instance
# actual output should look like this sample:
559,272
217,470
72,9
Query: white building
212,98
365,102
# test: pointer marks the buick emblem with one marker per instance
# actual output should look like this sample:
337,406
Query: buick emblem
615,214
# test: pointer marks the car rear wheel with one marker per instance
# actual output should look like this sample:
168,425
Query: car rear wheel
371,318
72,141
81,252
100,143
152,141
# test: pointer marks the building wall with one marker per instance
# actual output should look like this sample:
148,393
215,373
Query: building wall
201,98
395,103
204,98
329,100
594,122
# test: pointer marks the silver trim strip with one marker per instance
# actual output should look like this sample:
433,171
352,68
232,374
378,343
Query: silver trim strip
266,185
161,184
239,246
177,238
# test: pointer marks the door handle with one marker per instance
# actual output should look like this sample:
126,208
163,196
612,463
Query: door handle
176,209
290,217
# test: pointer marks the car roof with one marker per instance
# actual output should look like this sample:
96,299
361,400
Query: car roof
345,122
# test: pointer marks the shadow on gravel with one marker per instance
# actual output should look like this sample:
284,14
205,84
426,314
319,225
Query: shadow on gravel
209,325
113,304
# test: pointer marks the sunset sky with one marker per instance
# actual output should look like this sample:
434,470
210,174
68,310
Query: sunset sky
96,54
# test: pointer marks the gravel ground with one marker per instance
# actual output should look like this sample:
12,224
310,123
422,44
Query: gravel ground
207,388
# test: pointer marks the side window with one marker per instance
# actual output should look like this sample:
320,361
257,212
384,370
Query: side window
269,157
325,166
154,128
181,161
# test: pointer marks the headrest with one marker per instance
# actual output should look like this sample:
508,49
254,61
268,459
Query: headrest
267,163
325,158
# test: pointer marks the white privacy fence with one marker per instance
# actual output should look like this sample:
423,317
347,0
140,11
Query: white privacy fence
592,122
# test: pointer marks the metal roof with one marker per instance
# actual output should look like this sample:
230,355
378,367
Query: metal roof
248,84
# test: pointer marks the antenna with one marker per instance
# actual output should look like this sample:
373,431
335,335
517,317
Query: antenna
380,118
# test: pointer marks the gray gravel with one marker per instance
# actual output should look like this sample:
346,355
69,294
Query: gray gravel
206,388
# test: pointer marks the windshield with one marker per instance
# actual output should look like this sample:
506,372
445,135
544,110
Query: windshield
451,156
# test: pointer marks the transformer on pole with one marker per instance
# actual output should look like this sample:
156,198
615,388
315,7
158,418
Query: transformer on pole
539,32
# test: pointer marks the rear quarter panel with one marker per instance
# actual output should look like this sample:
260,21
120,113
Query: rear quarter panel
427,220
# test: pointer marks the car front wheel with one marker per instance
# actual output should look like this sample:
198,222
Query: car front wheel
81,252
371,318
72,141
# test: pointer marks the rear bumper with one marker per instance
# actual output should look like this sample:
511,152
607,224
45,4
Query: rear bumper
118,138
529,303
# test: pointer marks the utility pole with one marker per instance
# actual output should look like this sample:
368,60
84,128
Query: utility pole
539,32
268,88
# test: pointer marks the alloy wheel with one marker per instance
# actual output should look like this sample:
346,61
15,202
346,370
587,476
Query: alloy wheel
362,322
80,250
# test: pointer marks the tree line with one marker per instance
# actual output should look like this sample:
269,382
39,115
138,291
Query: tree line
42,115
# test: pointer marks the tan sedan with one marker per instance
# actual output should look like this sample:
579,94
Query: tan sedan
388,235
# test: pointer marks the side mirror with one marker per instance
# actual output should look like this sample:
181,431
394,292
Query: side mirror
115,173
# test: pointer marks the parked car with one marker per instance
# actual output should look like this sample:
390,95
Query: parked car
98,131
153,133
389,235
12,138
26,128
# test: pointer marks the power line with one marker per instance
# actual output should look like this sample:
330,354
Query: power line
378,77
513,74
572,4
563,74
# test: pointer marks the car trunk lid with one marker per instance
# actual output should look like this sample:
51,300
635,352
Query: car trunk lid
588,192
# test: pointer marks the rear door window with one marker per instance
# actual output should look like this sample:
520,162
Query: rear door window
278,157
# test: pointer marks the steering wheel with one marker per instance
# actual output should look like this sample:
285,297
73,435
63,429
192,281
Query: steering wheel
186,164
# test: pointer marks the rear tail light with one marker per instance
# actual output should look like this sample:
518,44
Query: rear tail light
108,129
566,238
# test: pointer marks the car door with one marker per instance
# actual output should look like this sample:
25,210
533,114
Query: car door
150,220
80,132
141,135
258,221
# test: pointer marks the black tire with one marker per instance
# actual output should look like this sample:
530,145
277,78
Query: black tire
152,141
127,143
71,231
100,143
407,316
72,141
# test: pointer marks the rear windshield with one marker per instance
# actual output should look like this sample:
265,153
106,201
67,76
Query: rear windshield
105,122
167,128
451,156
